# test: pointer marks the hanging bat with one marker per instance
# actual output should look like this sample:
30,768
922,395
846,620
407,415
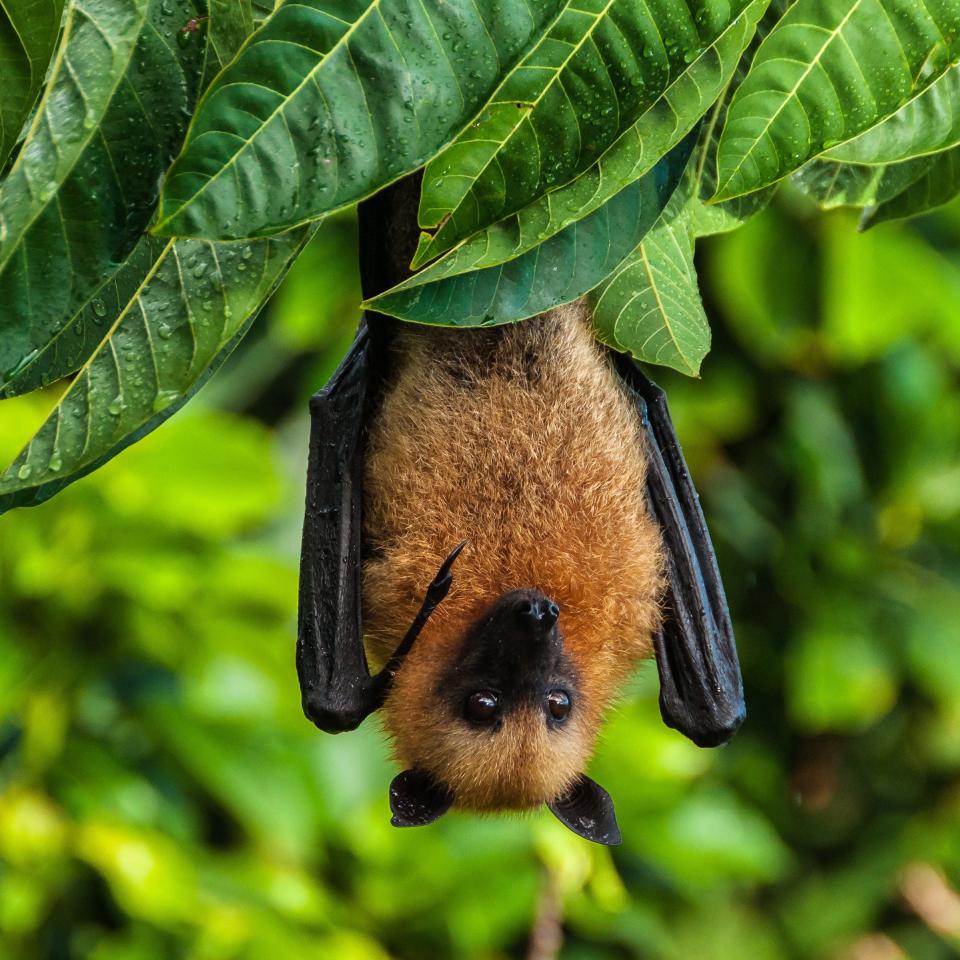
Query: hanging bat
500,521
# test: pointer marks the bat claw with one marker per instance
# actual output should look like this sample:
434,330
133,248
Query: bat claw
437,590
444,571
440,586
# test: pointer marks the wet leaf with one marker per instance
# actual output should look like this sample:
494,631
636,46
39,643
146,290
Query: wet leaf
650,305
828,71
938,185
328,103
230,23
531,140
453,292
193,306
926,124
28,32
857,185
85,181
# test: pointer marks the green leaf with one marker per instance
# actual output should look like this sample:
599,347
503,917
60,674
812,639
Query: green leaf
657,131
537,133
28,33
453,292
928,123
190,310
650,306
85,181
706,218
938,185
230,23
857,185
828,71
262,9
701,182
66,351
328,102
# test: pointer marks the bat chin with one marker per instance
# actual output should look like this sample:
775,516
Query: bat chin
519,764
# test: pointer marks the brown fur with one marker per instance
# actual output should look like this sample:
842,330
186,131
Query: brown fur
522,440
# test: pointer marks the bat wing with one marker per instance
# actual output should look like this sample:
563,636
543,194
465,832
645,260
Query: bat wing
335,683
701,691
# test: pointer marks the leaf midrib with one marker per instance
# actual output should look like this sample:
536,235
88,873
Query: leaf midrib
668,326
107,340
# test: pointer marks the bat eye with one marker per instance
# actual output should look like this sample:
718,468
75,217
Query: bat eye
558,703
481,706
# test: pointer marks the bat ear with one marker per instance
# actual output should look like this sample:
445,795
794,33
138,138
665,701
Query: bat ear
416,799
587,809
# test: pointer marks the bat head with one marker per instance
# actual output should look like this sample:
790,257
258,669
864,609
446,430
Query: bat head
506,725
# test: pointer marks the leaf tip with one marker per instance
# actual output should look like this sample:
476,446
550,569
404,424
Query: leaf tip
422,254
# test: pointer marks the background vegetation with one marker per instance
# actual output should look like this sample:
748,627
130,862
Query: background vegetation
162,796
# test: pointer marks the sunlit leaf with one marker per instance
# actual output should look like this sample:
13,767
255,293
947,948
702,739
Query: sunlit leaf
28,32
939,185
85,181
325,105
481,179
193,306
650,305
828,71
453,292
701,181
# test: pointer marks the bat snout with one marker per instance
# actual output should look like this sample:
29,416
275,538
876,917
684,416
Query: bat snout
536,612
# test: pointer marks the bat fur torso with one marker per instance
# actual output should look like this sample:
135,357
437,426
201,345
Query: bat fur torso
523,441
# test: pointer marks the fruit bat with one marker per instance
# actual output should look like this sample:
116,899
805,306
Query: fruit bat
500,522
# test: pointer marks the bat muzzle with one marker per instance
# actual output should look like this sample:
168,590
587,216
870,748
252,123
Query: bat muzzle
536,613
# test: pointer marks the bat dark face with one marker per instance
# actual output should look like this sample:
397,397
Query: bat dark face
512,663
505,726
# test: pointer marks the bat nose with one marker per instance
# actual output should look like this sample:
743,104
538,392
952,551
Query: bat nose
537,614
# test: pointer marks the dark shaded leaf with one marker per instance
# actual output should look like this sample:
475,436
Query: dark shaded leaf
857,185
79,336
453,293
28,33
230,23
939,185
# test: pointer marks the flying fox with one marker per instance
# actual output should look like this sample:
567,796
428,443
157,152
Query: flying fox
499,527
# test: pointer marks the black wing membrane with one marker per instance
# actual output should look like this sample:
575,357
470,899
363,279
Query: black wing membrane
336,687
335,682
701,691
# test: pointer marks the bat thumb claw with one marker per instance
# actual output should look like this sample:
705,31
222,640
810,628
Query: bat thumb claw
447,565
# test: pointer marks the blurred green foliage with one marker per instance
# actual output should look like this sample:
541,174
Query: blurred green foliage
162,796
